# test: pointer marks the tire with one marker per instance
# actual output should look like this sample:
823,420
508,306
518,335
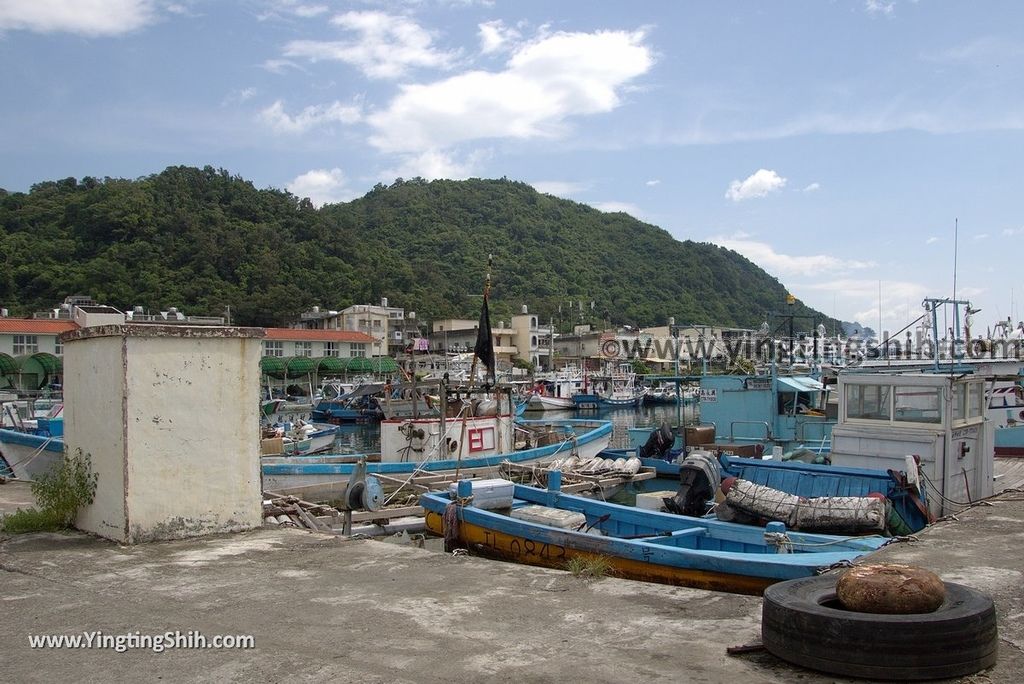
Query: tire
802,623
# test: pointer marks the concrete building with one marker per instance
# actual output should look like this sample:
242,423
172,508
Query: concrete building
31,350
458,335
531,339
317,343
391,329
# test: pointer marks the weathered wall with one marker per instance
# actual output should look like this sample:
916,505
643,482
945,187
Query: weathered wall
171,417
93,392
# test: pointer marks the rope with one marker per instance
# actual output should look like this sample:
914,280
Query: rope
450,523
31,457
422,464
780,540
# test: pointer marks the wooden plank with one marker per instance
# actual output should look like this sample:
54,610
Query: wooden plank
387,513
310,523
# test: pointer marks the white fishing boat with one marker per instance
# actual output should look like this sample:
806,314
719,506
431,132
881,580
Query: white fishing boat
470,436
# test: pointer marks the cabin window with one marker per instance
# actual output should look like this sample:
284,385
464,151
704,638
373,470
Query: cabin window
868,402
303,348
959,402
330,348
480,439
273,348
25,344
976,400
918,404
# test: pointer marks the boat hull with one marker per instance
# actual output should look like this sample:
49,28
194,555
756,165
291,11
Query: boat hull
522,549
28,456
1009,441
645,545
539,403
328,474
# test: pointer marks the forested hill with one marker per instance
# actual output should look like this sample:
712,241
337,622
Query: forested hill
202,240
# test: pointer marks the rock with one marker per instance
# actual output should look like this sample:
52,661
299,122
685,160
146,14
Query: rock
890,588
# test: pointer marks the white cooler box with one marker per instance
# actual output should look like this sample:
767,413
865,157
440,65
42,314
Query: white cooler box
489,494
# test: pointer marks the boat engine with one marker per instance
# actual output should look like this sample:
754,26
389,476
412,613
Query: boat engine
699,476
658,444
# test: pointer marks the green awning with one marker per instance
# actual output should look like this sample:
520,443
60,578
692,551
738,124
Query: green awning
50,363
282,367
7,365
384,364
358,364
328,365
35,371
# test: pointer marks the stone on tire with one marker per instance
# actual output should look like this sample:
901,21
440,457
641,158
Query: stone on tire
803,622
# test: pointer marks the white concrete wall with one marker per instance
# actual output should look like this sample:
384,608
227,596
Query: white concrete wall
172,422
93,422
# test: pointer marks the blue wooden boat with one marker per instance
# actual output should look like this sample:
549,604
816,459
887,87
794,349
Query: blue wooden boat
810,480
640,544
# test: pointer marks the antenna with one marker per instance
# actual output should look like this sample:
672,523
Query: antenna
878,333
956,234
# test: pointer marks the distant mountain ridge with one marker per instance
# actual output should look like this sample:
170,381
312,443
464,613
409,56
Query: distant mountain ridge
203,240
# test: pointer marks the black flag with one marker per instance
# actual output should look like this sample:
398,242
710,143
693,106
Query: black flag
484,348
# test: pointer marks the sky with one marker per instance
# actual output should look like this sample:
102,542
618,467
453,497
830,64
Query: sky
853,149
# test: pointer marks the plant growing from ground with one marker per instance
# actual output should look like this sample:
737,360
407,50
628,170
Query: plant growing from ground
59,493
589,567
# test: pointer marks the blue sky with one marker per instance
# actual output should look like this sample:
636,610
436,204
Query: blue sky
833,143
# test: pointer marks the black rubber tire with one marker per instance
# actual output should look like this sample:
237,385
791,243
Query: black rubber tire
802,623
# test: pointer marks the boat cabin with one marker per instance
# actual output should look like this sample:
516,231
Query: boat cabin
788,411
939,418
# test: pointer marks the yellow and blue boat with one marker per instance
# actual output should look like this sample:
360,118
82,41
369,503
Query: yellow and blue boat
636,544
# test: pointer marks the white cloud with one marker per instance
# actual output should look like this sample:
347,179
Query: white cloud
981,236
238,96
859,298
559,188
495,36
545,83
318,115
651,183
84,17
932,240
1010,232
310,11
778,264
386,46
878,7
279,66
322,186
759,184
433,164
812,187
612,207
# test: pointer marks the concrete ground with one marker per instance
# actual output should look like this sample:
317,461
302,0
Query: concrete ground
321,608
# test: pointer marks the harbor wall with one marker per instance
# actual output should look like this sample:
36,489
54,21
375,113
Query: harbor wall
170,418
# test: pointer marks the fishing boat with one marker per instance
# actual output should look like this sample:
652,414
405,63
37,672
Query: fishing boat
619,388
550,438
556,391
31,441
810,481
550,528
299,438
476,430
